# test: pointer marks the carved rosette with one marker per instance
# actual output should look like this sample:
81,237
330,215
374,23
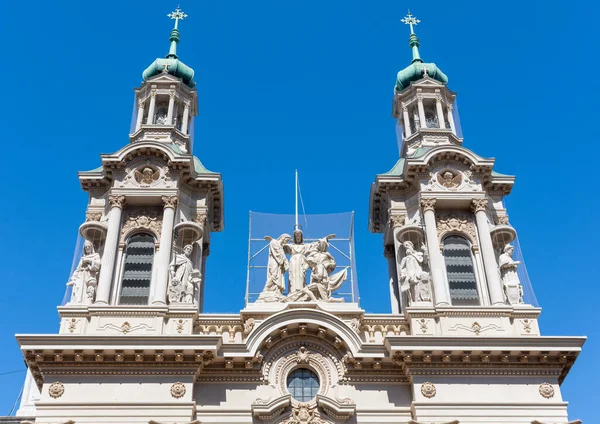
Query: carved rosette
56,389
546,390
116,201
428,390
169,201
178,390
428,204
478,205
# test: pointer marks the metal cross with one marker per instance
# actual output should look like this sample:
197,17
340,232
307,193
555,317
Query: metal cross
410,20
178,15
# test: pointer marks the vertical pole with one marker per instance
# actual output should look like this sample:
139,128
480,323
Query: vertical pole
296,194
249,258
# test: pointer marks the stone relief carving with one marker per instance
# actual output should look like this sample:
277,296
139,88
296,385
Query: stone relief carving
428,389
413,279
136,219
546,390
508,273
85,278
450,180
302,257
56,389
248,326
146,176
184,278
304,414
456,223
178,390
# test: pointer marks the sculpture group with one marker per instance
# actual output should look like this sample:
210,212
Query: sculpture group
303,256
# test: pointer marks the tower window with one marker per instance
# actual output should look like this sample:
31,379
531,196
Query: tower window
303,384
460,271
431,118
137,270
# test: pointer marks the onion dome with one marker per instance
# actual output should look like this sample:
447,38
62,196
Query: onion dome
171,63
417,69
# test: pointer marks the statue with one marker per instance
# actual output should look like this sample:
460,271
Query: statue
413,279
322,284
85,278
298,266
276,267
449,180
508,274
184,278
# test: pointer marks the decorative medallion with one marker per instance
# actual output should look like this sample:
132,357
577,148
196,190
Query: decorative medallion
302,356
546,390
146,176
125,327
456,223
56,389
178,390
449,180
72,325
428,390
146,219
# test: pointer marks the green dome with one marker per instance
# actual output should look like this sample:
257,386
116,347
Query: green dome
172,64
416,70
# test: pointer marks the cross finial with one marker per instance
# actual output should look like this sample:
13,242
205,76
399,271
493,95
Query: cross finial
410,20
178,15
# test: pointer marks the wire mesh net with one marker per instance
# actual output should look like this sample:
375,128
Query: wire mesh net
314,227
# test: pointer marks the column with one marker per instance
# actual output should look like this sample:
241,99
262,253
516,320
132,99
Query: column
171,107
407,131
436,260
440,111
110,249
451,119
140,115
186,117
150,119
421,111
164,254
479,206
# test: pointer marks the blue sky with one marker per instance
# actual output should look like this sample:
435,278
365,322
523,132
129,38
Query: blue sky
307,85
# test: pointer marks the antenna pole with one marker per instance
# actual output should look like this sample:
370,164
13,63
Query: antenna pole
296,194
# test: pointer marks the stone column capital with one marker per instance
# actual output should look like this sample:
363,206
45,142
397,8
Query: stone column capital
140,104
428,204
478,205
169,201
116,201
201,218
187,104
172,93
153,93
397,220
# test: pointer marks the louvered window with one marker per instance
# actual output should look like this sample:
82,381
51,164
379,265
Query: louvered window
137,270
460,271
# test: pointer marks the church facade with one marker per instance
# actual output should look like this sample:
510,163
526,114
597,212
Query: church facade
461,345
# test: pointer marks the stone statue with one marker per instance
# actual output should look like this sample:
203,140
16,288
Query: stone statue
147,176
276,268
322,284
184,278
508,274
413,279
449,180
298,266
85,278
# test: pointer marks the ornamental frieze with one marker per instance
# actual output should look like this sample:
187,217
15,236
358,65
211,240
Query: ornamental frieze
141,219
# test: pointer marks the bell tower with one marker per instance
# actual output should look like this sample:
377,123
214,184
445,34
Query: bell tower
152,205
440,208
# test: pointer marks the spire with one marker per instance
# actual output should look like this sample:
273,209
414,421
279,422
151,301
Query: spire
413,41
178,15
171,63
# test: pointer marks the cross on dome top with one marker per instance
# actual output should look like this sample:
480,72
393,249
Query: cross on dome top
410,20
178,15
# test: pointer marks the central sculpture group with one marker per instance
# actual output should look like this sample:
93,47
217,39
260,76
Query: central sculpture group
303,256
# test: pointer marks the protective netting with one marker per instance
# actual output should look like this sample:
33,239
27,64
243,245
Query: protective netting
76,257
314,227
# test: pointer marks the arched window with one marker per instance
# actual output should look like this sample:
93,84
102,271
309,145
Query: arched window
431,118
303,384
460,271
137,270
